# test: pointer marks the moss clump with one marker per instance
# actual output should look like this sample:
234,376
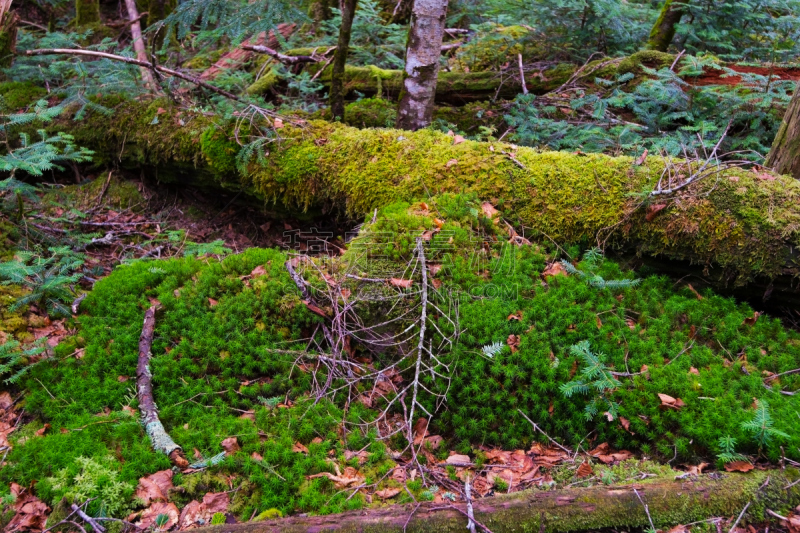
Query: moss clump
87,12
265,83
203,61
19,95
119,194
494,48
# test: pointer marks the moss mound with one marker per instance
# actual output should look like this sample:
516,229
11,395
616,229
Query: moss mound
219,370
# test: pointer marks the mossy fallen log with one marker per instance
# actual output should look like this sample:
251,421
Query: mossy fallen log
670,502
745,222
464,87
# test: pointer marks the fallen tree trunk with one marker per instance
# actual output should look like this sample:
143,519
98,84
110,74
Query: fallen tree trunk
669,503
159,437
745,223
463,87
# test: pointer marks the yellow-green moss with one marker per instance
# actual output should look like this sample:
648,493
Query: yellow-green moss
18,94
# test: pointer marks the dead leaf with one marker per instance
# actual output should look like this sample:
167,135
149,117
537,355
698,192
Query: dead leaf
793,521
149,516
554,269
436,283
155,487
299,448
255,456
513,342
5,400
278,123
738,466
678,529
450,163
488,210
653,210
696,470
458,139
585,470
752,320
212,302
43,430
258,271
216,502
30,512
631,323
625,423
693,370
230,445
641,159
670,402
515,316
434,268
420,430
402,283
349,477
385,494
458,459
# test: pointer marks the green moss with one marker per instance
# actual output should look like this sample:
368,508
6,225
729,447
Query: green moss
265,83
204,60
219,150
119,194
87,12
19,95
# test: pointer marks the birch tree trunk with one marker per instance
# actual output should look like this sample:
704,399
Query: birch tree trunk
422,64
337,91
138,44
664,29
8,33
784,156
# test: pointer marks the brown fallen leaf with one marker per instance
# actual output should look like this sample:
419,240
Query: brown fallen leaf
420,430
696,470
641,159
277,123
216,502
349,477
585,470
752,320
793,522
488,210
458,459
554,269
515,316
299,448
30,512
458,139
155,487
653,210
738,466
449,164
43,430
230,445
212,302
513,342
255,456
385,494
149,516
434,268
693,370
670,402
402,283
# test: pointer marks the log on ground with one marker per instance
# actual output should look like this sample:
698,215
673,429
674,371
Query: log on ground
670,502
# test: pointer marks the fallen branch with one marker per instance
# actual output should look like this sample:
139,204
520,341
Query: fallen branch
537,428
287,60
159,437
131,61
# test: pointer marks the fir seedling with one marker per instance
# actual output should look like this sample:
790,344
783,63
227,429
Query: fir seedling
727,450
47,279
490,350
761,427
15,359
593,259
594,376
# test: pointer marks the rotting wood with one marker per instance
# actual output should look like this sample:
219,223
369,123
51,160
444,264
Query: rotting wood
159,437
669,502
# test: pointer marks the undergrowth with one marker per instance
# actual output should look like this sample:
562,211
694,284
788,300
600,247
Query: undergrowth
215,360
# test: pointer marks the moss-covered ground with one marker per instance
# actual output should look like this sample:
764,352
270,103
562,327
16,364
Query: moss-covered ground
219,372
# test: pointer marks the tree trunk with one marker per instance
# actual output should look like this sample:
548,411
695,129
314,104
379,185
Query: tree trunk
337,91
87,12
784,156
8,34
422,64
669,503
138,44
719,224
319,11
664,29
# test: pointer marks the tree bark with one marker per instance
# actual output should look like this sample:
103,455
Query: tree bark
319,11
422,64
664,29
337,91
8,34
139,46
87,12
669,502
784,155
